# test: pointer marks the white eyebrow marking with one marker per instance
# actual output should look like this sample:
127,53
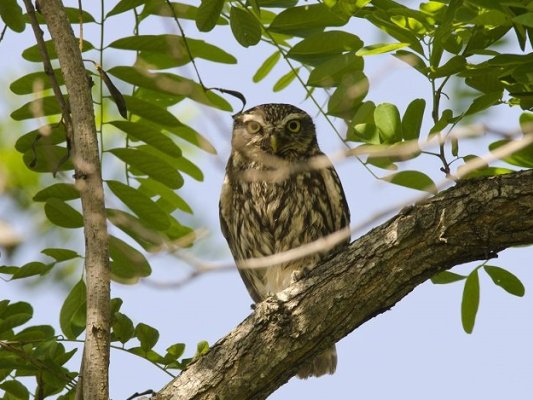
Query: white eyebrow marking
254,117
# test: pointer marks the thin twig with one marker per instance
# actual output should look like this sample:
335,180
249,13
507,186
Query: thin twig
4,30
49,71
80,16
186,43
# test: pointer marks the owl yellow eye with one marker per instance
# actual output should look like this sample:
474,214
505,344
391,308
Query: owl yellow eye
294,126
253,126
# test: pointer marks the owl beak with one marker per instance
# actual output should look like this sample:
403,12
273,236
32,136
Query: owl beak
274,143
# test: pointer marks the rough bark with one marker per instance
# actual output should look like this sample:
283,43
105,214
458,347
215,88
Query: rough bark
472,221
89,182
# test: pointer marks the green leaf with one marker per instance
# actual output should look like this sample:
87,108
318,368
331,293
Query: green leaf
149,212
453,66
144,235
181,11
412,119
412,179
455,145
129,264
73,313
61,254
150,165
399,33
151,111
520,158
266,67
380,48
35,333
486,171
526,122
147,336
176,350
125,5
201,348
444,120
506,280
180,163
12,16
61,214
413,60
14,314
16,389
382,162
30,83
364,113
365,132
208,14
48,159
73,16
524,19
301,20
166,51
285,80
31,269
122,328
470,301
62,191
44,136
168,199
387,119
171,84
446,277
45,105
149,135
320,46
34,55
190,135
276,3
348,97
334,71
245,27
179,231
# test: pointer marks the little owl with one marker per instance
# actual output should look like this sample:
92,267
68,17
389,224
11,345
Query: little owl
272,201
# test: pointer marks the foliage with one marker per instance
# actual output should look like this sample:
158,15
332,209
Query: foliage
444,41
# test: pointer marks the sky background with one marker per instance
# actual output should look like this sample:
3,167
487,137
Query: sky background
417,350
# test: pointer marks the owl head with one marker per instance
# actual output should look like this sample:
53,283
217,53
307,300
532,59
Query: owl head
280,130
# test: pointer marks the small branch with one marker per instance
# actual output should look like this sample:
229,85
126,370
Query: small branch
4,30
49,70
186,43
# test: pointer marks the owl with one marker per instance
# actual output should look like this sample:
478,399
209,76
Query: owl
271,202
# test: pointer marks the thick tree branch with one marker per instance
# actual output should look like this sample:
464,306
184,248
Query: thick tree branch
472,221
89,182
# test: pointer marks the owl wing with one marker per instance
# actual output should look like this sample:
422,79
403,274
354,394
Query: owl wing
338,207
249,276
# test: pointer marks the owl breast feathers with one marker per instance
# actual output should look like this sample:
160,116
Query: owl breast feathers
271,202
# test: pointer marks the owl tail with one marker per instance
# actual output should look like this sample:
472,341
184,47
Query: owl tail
324,363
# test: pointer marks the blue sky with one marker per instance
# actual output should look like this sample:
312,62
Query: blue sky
416,350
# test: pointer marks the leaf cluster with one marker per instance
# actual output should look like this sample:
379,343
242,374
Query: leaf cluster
442,41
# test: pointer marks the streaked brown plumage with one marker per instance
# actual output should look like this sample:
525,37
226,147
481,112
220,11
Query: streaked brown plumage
262,216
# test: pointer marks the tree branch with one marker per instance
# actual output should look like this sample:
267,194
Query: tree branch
89,182
472,221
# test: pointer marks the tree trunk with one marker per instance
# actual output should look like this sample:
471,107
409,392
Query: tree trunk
84,154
